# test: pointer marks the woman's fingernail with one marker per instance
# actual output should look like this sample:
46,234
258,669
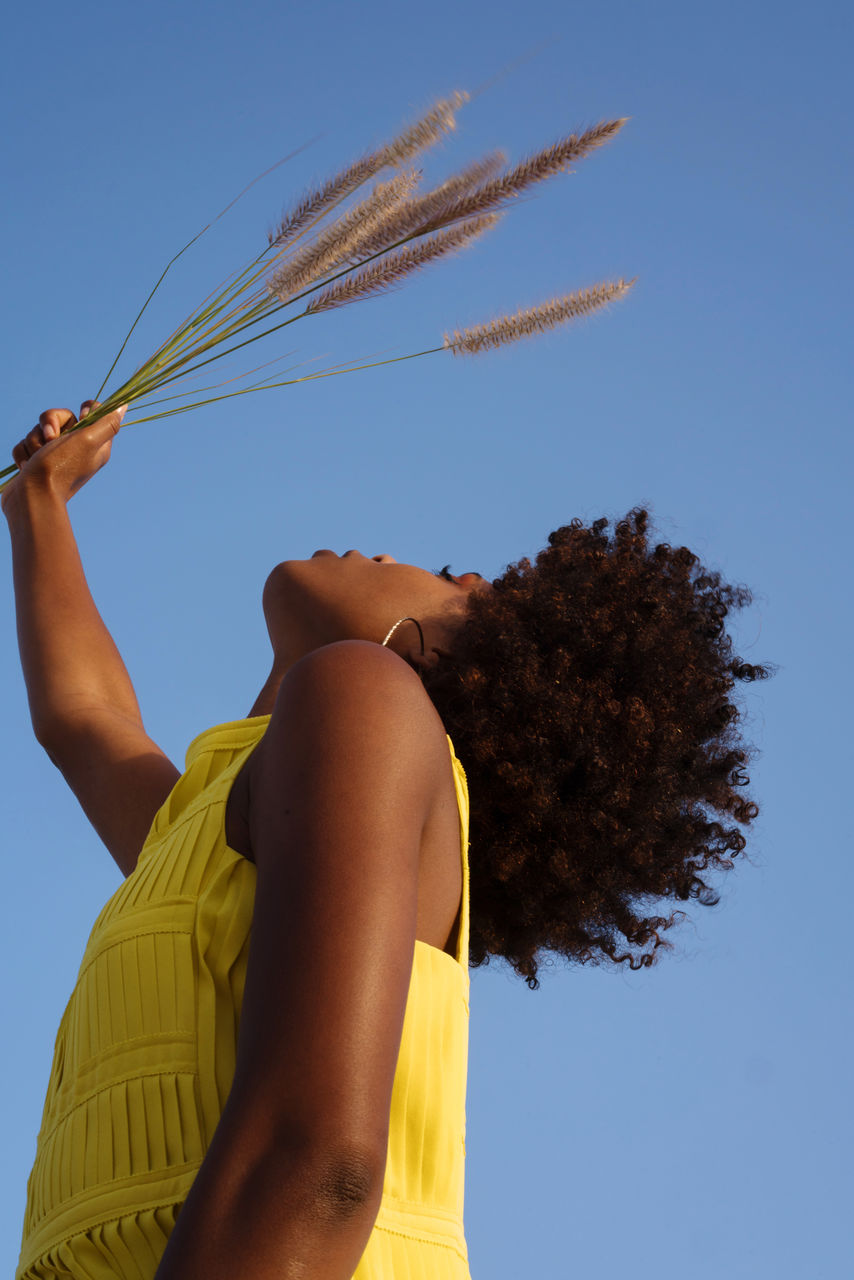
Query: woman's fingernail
121,411
49,431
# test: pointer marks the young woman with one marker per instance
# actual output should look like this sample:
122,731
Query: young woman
297,1106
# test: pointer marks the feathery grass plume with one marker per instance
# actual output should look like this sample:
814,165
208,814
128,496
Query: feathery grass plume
342,239
426,132
544,164
533,320
418,212
439,120
317,201
377,277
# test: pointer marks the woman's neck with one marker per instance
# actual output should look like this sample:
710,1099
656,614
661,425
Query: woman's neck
266,700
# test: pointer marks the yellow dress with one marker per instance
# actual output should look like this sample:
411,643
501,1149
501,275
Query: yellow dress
145,1057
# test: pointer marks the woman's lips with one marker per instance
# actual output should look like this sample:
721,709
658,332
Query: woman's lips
325,551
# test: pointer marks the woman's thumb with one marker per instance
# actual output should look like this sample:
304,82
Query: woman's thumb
105,428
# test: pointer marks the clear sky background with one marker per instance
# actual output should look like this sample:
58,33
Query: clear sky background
693,1120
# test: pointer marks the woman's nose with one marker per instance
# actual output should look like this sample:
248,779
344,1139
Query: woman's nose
385,559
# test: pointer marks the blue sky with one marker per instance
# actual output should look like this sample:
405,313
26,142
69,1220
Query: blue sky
692,1120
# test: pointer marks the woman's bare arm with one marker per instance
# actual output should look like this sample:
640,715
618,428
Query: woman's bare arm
82,702
340,790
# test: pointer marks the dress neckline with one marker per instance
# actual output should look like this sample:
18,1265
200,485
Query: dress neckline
238,733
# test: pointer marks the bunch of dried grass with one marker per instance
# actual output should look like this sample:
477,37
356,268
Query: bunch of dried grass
326,256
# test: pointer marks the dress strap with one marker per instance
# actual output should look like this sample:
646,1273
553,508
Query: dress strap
461,786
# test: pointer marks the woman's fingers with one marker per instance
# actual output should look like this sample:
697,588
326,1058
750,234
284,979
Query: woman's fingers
87,456
52,421
48,428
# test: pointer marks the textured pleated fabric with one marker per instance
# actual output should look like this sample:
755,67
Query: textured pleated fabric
146,1048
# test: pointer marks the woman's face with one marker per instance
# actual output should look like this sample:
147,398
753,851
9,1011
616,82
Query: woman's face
309,603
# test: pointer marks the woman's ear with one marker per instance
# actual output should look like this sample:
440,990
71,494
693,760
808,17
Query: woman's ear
426,661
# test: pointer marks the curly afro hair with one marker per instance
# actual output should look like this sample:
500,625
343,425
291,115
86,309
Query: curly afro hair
588,697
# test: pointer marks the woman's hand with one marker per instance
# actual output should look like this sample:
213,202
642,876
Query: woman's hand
60,462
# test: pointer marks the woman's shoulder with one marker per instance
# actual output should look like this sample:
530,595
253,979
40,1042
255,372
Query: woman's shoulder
360,675
352,656
356,696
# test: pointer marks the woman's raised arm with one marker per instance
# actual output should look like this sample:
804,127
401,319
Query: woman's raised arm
82,703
